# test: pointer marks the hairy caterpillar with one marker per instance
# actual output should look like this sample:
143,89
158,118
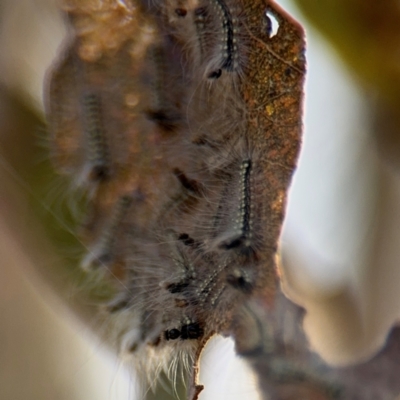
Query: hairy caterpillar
99,157
208,166
228,45
105,252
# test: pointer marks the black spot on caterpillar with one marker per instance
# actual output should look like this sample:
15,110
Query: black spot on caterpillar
181,12
191,331
165,121
177,287
215,74
189,184
186,239
172,334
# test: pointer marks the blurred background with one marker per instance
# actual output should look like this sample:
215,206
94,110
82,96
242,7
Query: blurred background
341,240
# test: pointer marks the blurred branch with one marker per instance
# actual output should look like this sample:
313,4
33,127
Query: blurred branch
40,227
287,369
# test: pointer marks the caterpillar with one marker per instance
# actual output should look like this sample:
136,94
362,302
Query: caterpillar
228,45
104,250
243,222
97,148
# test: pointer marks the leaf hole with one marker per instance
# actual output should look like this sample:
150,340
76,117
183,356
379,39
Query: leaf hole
271,24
